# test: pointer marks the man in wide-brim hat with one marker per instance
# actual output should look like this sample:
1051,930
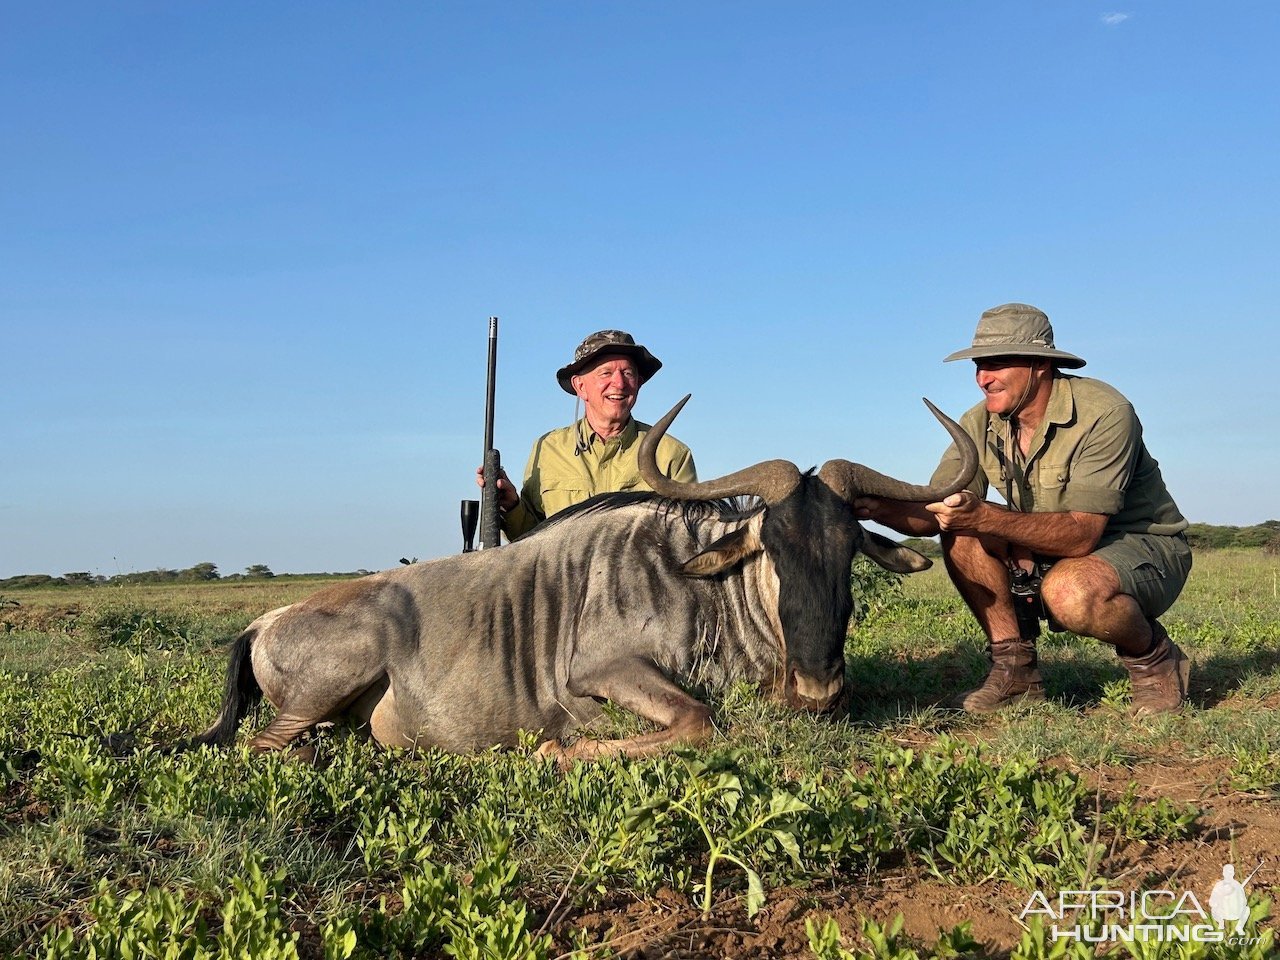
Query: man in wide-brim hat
1088,538
597,452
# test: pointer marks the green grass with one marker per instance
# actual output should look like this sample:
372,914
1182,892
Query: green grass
377,854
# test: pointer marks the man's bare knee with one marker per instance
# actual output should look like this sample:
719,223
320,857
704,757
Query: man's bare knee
1067,602
1075,590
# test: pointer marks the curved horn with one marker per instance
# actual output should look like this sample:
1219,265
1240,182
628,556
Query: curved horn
851,480
771,480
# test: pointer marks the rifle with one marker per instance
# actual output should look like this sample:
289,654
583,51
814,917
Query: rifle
489,515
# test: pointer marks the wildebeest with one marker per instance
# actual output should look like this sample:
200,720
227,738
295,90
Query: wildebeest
622,598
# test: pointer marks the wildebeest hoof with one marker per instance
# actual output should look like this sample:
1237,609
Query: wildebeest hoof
550,750
308,753
564,757
843,705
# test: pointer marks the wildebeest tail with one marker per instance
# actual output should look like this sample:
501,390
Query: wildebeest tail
242,694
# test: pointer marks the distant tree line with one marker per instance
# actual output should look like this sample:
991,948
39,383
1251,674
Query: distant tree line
1265,535
198,573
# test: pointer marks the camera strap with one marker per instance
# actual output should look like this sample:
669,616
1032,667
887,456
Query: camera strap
1007,449
1007,452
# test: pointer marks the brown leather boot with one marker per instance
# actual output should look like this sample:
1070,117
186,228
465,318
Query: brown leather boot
1159,678
1014,678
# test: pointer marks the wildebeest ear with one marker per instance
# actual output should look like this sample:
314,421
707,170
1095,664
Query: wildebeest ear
894,556
725,553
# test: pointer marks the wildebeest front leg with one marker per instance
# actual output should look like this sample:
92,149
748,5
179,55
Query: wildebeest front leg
281,732
645,690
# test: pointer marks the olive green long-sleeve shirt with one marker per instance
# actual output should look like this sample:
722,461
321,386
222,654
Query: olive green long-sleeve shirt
556,477
1087,455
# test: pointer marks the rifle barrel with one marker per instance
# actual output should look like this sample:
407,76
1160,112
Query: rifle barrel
490,383
490,520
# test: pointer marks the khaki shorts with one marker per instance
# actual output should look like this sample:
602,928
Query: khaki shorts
1152,569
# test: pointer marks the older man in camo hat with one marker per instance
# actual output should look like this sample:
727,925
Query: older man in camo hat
1088,538
597,452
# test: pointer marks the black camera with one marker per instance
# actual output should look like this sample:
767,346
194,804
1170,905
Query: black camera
1028,607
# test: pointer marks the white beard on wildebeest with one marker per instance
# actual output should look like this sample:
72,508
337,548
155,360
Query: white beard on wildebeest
622,598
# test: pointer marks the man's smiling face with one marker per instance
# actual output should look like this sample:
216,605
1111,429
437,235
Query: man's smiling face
609,389
1006,382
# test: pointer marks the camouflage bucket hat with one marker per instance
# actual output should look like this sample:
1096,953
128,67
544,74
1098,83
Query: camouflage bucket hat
1015,330
607,342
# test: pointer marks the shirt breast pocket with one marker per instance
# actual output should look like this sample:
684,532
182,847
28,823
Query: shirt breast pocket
558,495
1052,480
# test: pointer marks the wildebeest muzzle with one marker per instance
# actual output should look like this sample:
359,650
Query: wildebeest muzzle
814,693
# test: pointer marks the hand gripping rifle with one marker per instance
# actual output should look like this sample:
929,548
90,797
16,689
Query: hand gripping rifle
489,515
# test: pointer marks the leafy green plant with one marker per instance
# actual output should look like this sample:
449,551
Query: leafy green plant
152,922
875,589
1255,944
158,922
140,630
79,772
1116,693
1038,943
973,820
1255,770
1155,940
825,942
479,918
888,943
1133,819
711,793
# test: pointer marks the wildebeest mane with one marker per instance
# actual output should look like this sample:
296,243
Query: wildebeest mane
692,512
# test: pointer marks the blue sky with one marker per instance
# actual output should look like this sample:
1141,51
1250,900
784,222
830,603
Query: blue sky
249,250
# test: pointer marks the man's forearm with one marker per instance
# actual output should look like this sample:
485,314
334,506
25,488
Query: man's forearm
519,520
907,518
1069,534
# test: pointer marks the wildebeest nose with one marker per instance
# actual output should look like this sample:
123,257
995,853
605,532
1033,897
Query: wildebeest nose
814,694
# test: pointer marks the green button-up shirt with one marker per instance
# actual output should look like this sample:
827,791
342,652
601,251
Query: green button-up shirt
556,477
1087,455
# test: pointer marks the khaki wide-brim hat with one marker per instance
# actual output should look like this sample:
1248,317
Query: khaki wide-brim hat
1015,330
604,342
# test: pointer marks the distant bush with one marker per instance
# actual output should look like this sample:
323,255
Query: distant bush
201,571
32,580
930,548
1204,536
159,575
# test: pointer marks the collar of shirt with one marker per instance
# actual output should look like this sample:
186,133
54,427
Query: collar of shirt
1060,409
622,441
1062,401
